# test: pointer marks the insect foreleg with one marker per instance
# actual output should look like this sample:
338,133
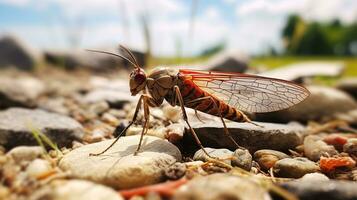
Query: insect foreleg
182,105
146,100
123,131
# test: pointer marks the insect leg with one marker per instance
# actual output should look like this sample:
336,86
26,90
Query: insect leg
226,131
146,122
195,101
180,99
123,131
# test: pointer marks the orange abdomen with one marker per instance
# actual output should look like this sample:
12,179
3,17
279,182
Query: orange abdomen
196,98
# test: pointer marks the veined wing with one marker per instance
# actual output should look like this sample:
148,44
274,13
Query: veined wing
249,92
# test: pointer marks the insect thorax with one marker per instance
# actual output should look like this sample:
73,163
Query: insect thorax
161,82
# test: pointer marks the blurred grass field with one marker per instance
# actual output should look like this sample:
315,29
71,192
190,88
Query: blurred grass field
275,62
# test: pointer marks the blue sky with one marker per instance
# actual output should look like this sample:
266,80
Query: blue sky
247,25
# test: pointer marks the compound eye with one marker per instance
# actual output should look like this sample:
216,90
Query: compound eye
139,78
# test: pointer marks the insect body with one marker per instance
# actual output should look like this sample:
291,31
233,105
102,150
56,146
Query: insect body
216,93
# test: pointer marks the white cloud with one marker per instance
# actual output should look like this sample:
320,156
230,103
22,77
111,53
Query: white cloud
322,10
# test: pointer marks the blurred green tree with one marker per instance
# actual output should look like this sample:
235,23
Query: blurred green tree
313,42
315,38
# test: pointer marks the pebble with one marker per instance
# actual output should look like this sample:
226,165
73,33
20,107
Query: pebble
75,190
176,171
25,153
315,147
351,147
269,136
221,186
56,105
321,190
110,119
224,155
314,177
99,107
118,167
242,158
294,167
116,99
267,158
16,124
38,167
20,91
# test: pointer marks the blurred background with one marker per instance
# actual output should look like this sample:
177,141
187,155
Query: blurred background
227,35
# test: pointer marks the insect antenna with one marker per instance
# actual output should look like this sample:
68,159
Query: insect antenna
117,55
130,54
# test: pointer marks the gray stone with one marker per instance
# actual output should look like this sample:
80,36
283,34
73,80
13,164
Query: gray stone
314,148
221,186
176,171
322,190
56,105
295,167
118,167
267,158
323,104
266,136
16,125
116,99
314,177
16,53
242,158
228,62
19,91
25,153
348,85
75,190
222,154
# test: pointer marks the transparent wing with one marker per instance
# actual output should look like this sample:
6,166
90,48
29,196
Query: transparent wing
248,92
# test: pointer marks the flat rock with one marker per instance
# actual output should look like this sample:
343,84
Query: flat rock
228,62
75,190
15,53
324,103
19,91
348,85
16,125
221,186
118,167
269,136
321,190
